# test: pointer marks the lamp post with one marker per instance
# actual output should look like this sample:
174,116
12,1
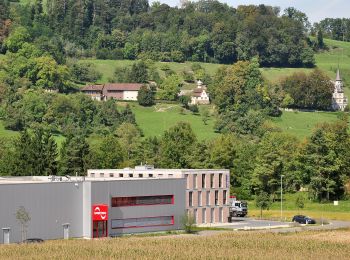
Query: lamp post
282,196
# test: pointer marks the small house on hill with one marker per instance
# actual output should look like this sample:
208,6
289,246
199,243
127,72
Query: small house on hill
199,95
118,91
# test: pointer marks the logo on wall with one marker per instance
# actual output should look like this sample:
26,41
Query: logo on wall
100,212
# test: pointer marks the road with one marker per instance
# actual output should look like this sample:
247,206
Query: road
277,226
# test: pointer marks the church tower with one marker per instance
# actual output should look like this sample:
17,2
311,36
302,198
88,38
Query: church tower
339,100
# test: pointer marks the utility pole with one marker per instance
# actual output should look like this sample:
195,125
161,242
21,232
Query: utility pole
282,196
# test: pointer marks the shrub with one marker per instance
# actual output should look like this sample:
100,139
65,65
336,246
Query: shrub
188,222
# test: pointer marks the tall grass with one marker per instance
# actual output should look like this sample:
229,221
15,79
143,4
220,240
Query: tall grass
228,245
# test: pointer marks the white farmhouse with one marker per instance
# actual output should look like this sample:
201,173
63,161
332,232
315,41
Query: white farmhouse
199,95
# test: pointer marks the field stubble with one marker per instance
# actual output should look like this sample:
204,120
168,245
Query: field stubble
228,245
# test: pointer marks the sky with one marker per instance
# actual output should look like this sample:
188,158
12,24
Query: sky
316,10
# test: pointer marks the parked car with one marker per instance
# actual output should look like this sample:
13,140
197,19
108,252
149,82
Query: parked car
303,219
33,240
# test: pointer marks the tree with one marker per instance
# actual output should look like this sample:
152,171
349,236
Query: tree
129,136
323,163
73,156
23,219
300,201
145,96
139,73
188,222
262,201
205,116
111,153
176,146
170,88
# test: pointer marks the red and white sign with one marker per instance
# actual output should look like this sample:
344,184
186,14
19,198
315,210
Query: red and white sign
100,212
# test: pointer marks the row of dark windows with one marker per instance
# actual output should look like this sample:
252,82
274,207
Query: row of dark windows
204,185
142,222
142,200
216,198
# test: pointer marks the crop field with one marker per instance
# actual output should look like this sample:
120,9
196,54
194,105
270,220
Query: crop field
227,245
313,209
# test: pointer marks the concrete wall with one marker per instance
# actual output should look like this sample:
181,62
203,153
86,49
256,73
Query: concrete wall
102,192
49,206
130,95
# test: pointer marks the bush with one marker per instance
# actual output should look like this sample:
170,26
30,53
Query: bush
194,109
188,222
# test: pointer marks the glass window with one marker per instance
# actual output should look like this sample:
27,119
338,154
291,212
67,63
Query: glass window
140,175
141,201
190,201
199,198
203,181
195,181
150,175
111,175
220,180
92,174
131,175
224,200
216,197
208,198
102,174
121,175
212,180
142,222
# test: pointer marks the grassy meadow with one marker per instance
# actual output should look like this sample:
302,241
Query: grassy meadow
313,209
227,245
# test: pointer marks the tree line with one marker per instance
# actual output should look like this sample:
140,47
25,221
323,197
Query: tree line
319,163
207,31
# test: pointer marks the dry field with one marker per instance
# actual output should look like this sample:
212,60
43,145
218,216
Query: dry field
228,245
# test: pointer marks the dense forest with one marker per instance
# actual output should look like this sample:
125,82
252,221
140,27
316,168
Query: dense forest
206,31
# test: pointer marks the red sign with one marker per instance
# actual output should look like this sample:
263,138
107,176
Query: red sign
100,212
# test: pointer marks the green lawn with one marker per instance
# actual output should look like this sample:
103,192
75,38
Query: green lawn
301,124
313,209
155,120
107,67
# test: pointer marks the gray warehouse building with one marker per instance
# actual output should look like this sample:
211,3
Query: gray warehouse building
90,207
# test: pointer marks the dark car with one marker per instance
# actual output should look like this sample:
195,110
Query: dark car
303,219
33,240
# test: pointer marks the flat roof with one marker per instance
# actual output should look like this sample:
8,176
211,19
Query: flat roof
63,179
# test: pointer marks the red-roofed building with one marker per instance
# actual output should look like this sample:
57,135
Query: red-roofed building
119,91
199,95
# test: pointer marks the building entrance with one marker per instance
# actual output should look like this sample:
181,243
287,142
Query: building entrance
100,229
99,221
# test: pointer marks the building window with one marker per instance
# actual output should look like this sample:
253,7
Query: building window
142,222
216,197
208,198
195,181
196,215
131,175
187,184
204,212
224,197
142,201
171,175
150,175
121,175
221,215
111,175
102,174
92,174
190,201
211,180
199,198
203,181
220,180
140,175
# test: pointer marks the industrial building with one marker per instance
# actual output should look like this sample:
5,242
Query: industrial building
89,208
207,190
111,202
